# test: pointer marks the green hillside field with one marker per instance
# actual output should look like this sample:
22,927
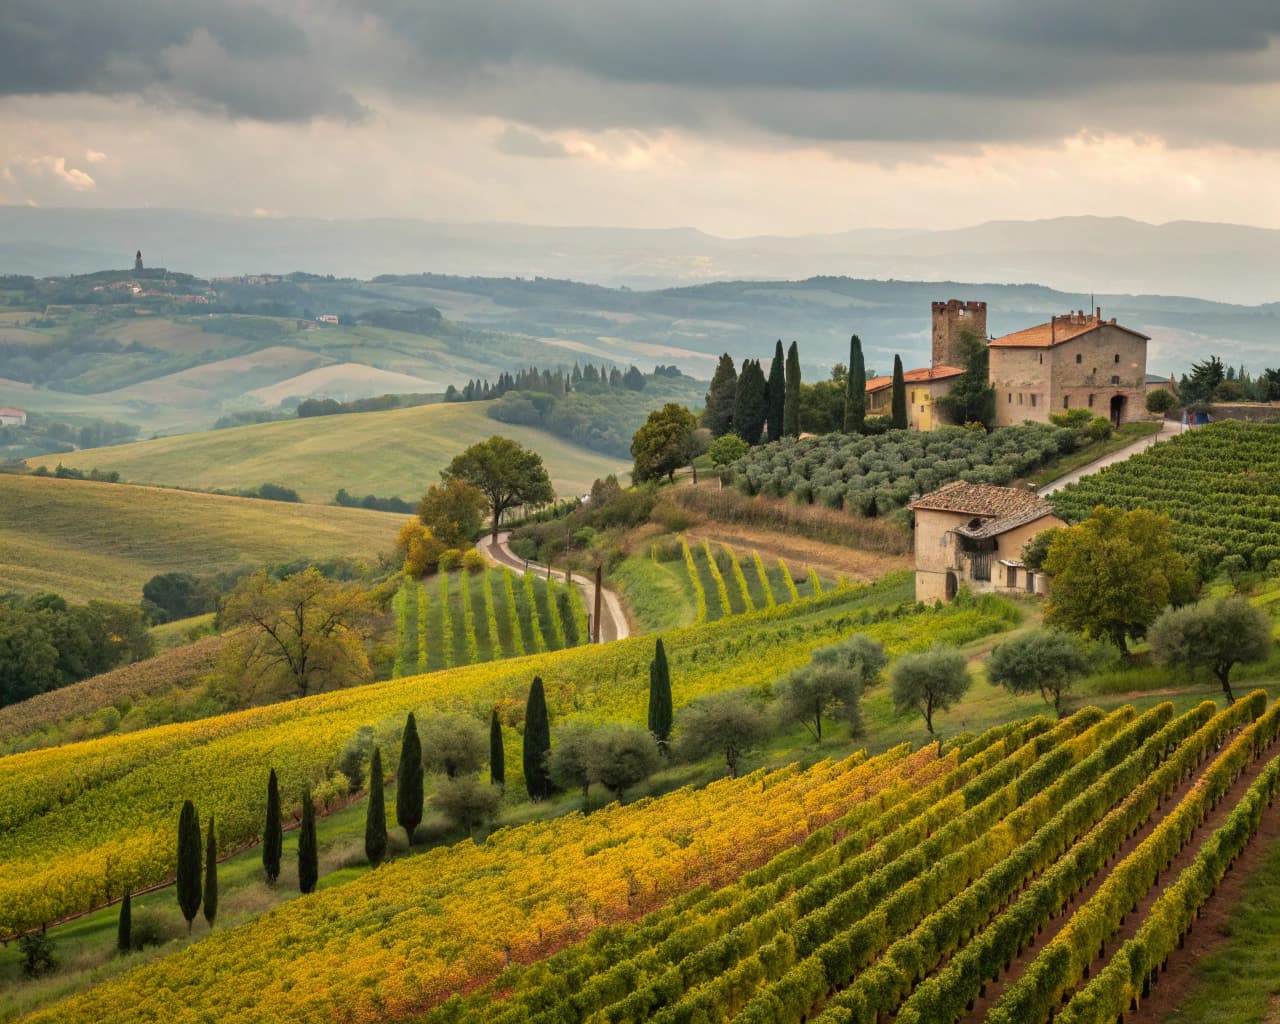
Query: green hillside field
399,452
91,540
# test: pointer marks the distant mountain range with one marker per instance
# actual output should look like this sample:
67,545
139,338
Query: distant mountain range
1081,255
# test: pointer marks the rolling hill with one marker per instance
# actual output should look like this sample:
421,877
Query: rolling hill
399,452
92,540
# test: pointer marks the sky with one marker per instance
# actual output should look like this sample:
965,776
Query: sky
770,117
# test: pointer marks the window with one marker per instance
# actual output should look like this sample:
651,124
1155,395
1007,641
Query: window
1066,401
1033,401
1011,398
1117,357
922,408
1031,582
1011,577
1019,397
1091,401
1079,358
1042,357
1115,380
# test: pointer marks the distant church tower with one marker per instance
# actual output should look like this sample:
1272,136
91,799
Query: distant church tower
950,318
137,261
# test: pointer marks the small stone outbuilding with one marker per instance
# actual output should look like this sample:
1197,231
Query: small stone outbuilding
973,534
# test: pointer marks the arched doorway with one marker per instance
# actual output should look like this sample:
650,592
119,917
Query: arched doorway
1117,409
952,585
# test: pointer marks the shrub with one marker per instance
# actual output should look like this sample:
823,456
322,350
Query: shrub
1160,401
473,562
451,560
37,954
1099,429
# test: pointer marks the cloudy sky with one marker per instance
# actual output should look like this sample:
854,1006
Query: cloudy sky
738,118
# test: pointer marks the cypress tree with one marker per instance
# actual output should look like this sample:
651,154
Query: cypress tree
375,822
497,755
308,857
210,876
660,713
273,831
721,397
899,409
777,394
855,399
124,930
537,742
409,780
751,404
188,882
791,414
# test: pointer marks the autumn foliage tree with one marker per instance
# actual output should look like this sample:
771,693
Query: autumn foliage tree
453,511
298,635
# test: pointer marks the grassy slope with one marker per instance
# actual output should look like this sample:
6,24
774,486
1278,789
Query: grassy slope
88,540
398,452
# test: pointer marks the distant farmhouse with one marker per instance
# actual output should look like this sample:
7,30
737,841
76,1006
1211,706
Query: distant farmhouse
10,417
973,534
1076,361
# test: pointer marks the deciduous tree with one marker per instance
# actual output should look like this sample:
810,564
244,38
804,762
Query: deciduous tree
1044,660
506,473
663,443
726,449
929,682
1217,634
409,780
1114,573
855,403
453,744
453,511
466,802
298,635
188,885
620,756
568,763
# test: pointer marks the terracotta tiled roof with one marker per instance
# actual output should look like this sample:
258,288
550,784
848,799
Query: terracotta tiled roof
926,374
1058,330
983,500
7,411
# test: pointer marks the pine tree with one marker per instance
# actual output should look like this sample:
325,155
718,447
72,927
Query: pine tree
210,876
751,403
718,414
777,394
273,831
660,712
855,400
899,409
375,821
537,742
497,755
189,881
308,856
409,780
124,930
791,413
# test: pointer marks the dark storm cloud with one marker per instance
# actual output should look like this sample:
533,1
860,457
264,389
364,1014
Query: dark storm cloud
240,59
831,70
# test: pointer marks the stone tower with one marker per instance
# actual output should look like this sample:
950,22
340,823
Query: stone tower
950,318
137,261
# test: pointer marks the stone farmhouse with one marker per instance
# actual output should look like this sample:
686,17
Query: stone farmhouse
1074,361
10,417
973,534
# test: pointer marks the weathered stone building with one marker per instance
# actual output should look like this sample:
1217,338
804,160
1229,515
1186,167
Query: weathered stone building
1077,361
973,534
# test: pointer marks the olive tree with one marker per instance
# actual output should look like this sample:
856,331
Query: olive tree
728,723
1047,660
1215,634
453,744
929,682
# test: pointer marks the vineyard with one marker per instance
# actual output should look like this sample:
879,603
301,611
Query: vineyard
1038,871
465,618
870,476
1220,484
80,822
678,583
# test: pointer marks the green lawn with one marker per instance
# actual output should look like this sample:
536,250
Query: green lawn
89,540
399,452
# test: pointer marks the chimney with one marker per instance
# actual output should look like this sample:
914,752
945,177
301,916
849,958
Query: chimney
1098,314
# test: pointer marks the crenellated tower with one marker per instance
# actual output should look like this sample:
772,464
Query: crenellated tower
950,320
